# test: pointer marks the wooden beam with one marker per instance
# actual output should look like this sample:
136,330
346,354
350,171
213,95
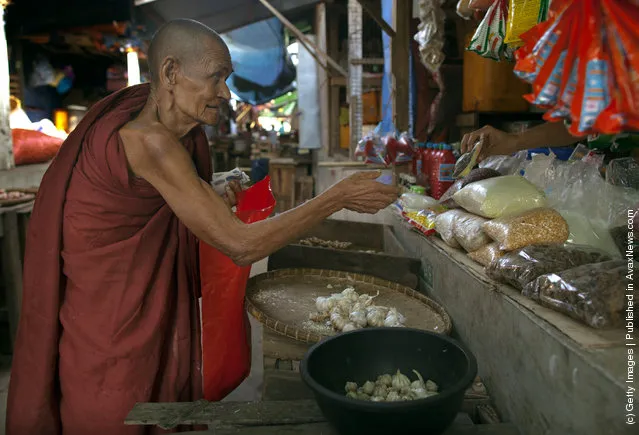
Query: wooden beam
323,82
400,55
369,61
375,15
315,52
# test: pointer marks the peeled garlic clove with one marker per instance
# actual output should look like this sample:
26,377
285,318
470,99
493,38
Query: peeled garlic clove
350,387
400,380
386,380
431,386
368,387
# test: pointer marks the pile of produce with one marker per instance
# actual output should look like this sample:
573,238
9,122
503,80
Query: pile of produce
333,244
395,388
348,311
11,194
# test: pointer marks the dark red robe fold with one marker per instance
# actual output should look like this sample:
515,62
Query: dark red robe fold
109,314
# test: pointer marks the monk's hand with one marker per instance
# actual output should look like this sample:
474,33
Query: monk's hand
362,193
231,190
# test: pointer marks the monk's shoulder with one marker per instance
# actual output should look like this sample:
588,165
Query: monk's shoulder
145,144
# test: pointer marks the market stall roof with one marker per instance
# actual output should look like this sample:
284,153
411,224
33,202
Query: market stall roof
220,15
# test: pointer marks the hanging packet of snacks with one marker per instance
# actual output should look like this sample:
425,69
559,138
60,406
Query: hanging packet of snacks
522,16
488,40
583,66
372,148
399,150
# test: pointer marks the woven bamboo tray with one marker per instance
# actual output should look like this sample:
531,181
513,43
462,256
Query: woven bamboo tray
283,299
29,195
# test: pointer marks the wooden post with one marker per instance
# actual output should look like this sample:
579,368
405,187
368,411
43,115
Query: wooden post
323,81
400,55
332,23
6,142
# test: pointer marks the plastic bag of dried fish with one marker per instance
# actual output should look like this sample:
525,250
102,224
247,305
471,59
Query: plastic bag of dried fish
444,224
520,267
541,226
468,232
593,293
486,254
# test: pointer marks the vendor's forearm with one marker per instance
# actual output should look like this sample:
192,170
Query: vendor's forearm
549,134
260,239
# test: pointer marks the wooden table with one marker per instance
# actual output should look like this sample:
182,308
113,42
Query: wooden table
13,228
288,407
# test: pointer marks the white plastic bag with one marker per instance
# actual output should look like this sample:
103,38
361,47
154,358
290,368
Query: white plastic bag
444,226
416,202
500,196
468,231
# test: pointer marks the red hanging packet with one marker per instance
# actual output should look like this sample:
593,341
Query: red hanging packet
226,332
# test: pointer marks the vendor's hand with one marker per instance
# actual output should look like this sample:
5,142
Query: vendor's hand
232,189
363,194
496,142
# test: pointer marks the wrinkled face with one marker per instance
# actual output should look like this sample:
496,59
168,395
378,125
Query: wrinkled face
200,89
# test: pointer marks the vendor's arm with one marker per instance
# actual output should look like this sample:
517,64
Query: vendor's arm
497,142
165,164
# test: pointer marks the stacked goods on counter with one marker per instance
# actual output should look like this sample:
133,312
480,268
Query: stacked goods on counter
540,232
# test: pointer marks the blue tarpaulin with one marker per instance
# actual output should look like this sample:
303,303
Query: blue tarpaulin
262,68
387,107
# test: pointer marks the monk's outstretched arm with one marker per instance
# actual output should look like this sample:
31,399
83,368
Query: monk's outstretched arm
166,165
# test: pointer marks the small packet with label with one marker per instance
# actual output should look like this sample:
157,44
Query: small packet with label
222,179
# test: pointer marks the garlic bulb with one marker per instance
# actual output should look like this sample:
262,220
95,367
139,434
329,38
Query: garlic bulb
385,380
406,397
419,393
393,319
380,391
368,387
400,380
378,399
419,383
363,396
366,299
393,396
352,395
350,386
324,304
344,305
349,327
351,294
358,316
431,386
338,321
375,316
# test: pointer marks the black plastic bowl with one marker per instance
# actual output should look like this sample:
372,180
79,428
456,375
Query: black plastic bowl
363,355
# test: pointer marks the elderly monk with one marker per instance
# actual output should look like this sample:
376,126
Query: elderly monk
110,312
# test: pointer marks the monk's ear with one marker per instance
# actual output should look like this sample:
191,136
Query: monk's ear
169,71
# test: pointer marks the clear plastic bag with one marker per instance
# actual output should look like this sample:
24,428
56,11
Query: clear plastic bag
593,293
446,199
486,255
416,202
468,232
500,196
444,226
541,226
506,165
477,174
518,268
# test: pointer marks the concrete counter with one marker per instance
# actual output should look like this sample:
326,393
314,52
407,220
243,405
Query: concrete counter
547,373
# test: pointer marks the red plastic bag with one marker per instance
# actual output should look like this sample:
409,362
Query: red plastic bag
32,147
226,332
481,5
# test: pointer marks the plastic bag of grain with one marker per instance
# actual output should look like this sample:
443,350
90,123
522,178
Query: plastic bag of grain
592,293
500,196
520,267
486,255
540,226
467,229
444,226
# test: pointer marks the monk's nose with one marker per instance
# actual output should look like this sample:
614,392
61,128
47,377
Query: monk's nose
224,92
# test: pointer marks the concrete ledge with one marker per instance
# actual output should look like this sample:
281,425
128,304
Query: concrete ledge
541,379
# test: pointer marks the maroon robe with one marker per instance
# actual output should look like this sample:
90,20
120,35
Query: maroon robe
109,314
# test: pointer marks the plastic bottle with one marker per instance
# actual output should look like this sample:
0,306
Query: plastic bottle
442,171
426,155
416,168
432,154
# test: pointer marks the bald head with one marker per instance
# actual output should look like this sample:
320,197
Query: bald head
186,41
